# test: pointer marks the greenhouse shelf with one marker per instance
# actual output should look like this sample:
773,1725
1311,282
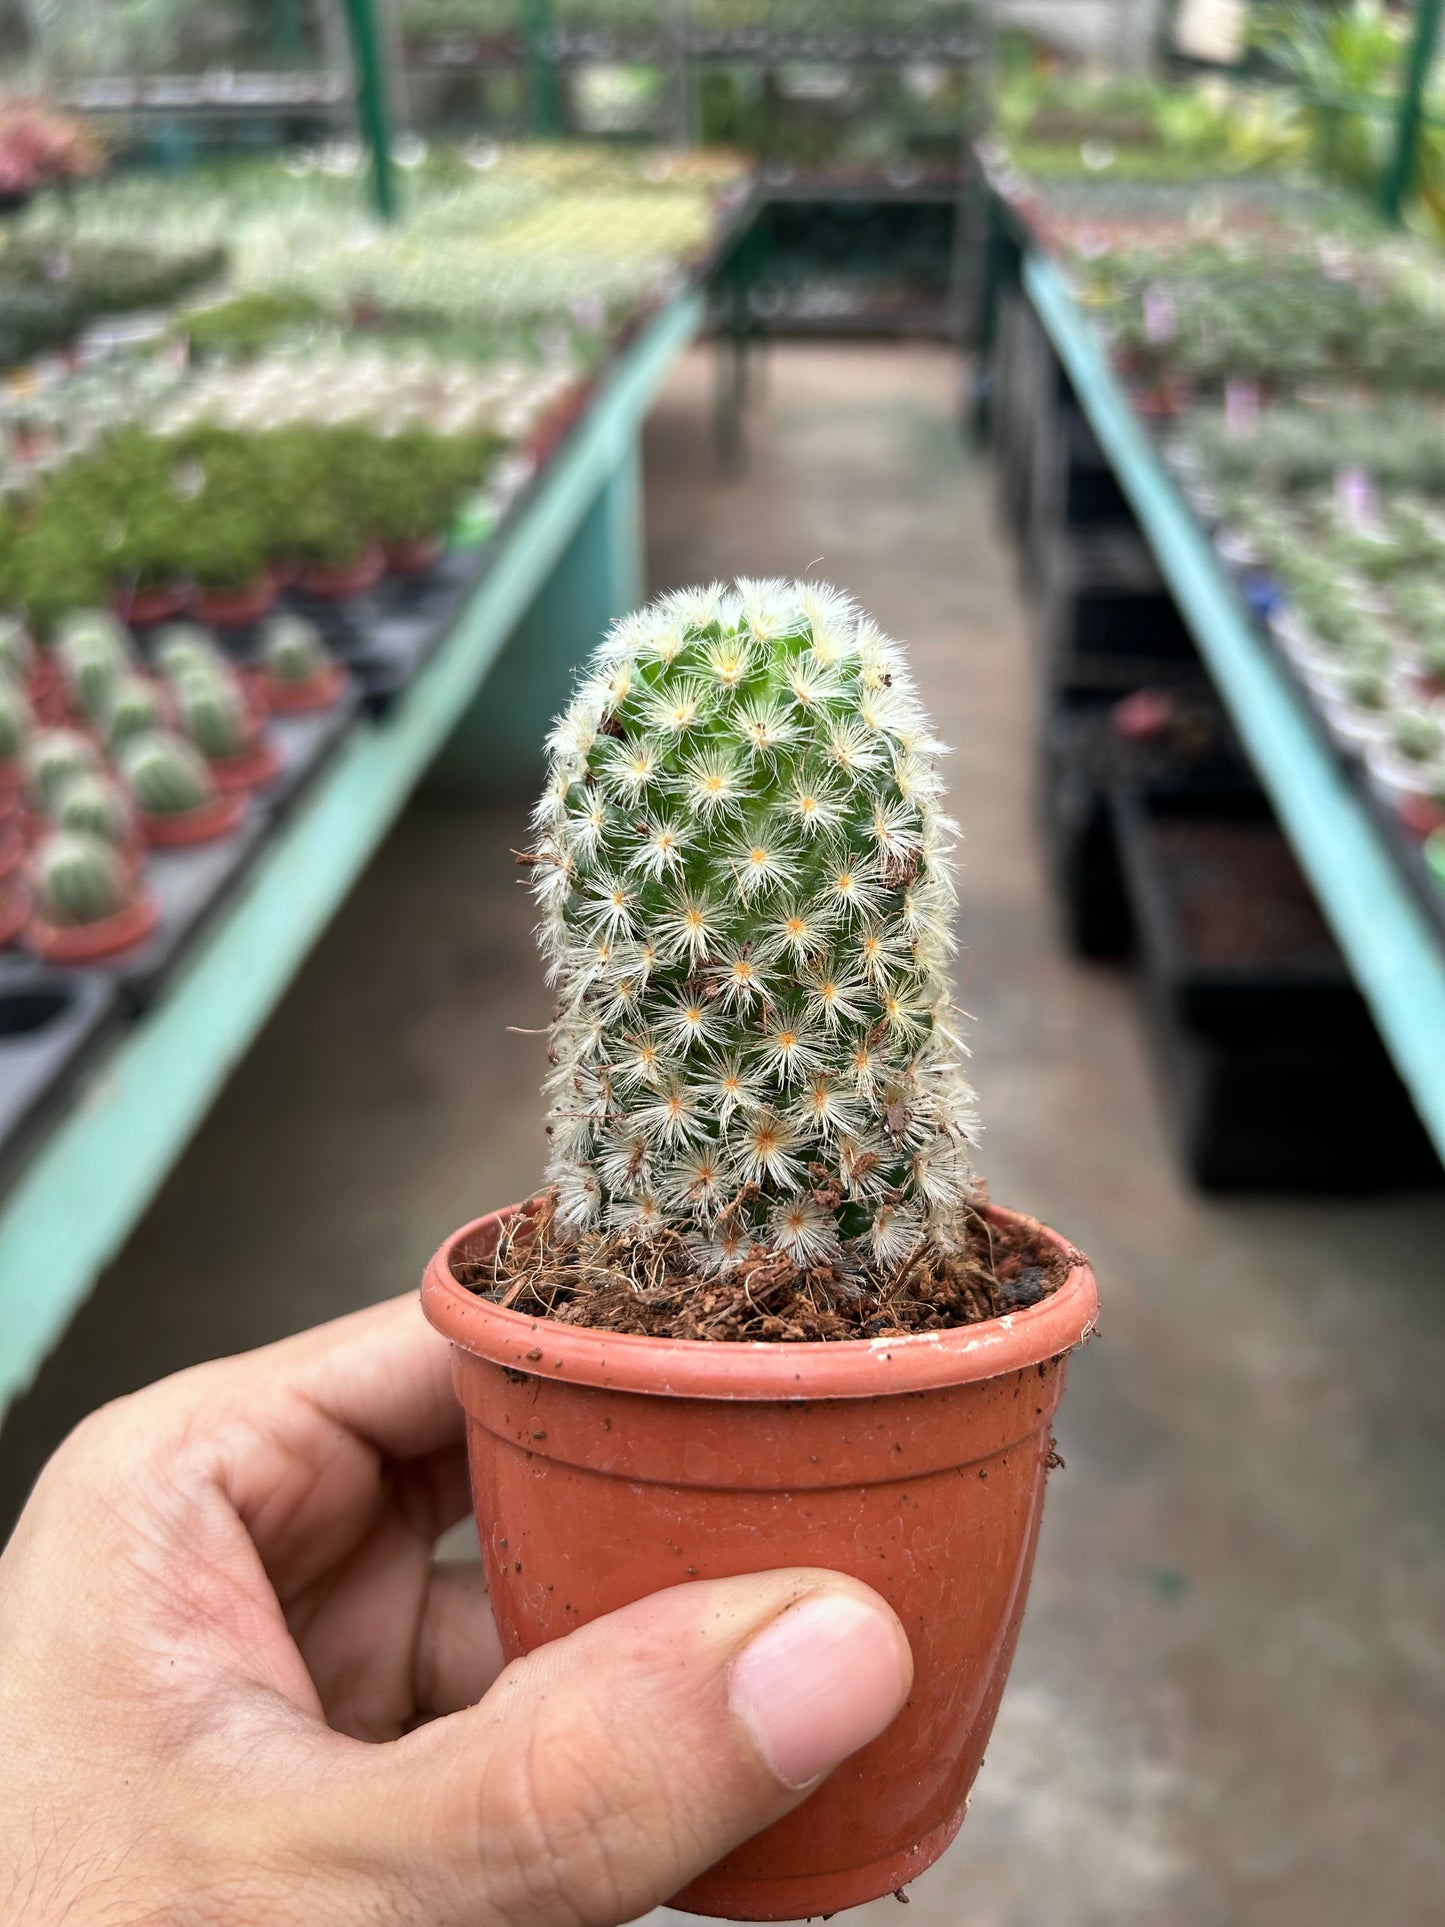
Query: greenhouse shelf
576,542
1395,955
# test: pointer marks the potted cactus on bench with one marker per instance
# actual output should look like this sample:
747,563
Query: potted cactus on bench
762,1314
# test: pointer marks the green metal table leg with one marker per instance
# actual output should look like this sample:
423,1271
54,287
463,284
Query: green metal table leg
496,749
371,103
1401,177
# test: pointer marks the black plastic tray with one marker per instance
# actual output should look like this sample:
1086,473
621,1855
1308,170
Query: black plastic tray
52,1023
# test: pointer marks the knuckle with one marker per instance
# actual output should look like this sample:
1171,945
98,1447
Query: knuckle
562,1838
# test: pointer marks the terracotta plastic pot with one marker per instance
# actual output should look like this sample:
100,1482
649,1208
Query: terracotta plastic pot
12,847
84,943
354,578
238,608
253,769
605,1467
204,825
414,558
300,698
14,912
147,607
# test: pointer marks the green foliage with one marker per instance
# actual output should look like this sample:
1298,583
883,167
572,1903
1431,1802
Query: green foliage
78,879
249,323
747,900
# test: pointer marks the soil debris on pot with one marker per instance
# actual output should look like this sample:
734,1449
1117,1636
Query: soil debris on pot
651,1286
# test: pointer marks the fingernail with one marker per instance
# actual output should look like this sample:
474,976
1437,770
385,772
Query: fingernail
818,1682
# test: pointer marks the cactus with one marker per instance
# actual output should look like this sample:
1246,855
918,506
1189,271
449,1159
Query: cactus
214,715
78,879
165,775
1418,735
16,721
183,647
293,650
94,655
98,807
747,897
17,651
135,709
55,758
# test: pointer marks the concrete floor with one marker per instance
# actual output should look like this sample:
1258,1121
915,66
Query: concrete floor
1226,1708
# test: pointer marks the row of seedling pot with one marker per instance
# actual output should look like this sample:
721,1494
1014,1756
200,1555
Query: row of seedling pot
1352,589
105,757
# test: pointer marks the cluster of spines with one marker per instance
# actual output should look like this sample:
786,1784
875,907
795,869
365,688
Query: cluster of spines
747,902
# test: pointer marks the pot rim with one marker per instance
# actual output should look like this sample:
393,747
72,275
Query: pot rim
760,1369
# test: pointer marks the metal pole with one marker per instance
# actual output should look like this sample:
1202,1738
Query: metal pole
1401,177
543,99
371,103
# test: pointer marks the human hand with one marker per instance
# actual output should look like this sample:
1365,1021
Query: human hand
236,1693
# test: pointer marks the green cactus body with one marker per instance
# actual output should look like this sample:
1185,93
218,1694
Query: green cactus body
55,758
747,899
135,709
78,879
97,807
184,648
165,775
16,721
17,651
94,655
1418,735
214,715
293,650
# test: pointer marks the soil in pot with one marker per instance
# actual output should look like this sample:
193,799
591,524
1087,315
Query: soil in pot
608,1464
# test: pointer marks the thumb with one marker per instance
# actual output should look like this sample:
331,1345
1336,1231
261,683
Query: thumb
606,1770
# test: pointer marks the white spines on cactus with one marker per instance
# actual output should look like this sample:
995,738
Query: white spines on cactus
747,900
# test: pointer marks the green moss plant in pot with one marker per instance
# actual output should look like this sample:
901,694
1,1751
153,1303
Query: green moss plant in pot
226,556
337,558
762,1315
214,712
86,904
298,672
175,793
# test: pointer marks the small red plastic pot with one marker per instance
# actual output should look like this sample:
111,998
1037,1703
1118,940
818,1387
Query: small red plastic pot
84,943
12,846
606,1467
147,607
1421,815
238,608
253,769
14,911
207,824
300,698
354,578
414,558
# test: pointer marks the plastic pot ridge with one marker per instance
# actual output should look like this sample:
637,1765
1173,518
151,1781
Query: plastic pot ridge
608,1466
